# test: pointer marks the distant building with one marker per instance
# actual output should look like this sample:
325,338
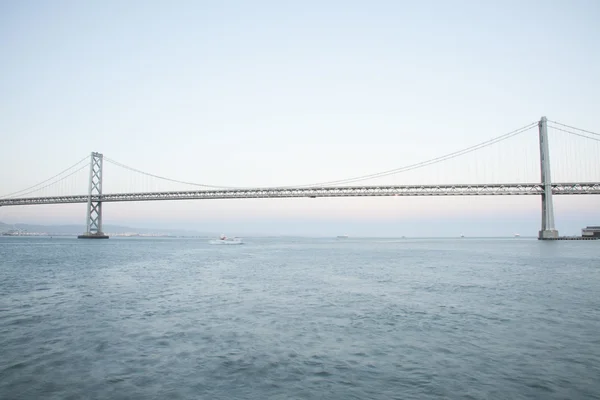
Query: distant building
591,231
14,232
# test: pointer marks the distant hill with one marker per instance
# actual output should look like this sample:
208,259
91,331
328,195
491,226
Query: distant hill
79,229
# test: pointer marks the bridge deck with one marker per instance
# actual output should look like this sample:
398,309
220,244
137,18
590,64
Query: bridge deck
510,189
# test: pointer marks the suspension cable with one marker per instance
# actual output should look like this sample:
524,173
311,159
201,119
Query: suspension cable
335,182
574,133
49,179
433,160
359,178
61,179
167,179
572,127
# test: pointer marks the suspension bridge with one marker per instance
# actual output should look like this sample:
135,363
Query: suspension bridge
577,151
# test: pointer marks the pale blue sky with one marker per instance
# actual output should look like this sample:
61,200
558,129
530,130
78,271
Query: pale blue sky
278,92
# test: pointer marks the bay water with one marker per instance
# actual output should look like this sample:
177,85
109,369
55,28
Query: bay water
299,318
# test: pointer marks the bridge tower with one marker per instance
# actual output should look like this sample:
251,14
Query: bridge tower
94,204
548,230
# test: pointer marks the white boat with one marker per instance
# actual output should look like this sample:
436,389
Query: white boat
224,240
517,235
342,237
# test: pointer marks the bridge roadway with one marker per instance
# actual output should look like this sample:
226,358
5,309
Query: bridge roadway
511,189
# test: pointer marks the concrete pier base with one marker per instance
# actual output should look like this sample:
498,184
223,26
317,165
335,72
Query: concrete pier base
99,235
548,234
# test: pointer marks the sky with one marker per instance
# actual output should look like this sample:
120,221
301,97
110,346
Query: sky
269,93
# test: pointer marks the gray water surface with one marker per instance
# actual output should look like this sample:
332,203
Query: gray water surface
286,318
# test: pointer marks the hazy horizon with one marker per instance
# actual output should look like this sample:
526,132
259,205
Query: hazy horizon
417,226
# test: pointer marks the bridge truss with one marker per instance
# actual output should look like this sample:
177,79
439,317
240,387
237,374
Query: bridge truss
514,189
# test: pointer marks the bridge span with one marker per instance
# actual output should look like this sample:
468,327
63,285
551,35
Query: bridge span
545,188
507,189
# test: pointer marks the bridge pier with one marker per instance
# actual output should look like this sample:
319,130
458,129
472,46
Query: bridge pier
94,205
548,231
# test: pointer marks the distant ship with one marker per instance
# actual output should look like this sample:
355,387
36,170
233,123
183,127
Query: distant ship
517,235
226,240
342,237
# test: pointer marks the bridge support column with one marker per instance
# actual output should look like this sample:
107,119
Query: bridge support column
548,230
94,205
